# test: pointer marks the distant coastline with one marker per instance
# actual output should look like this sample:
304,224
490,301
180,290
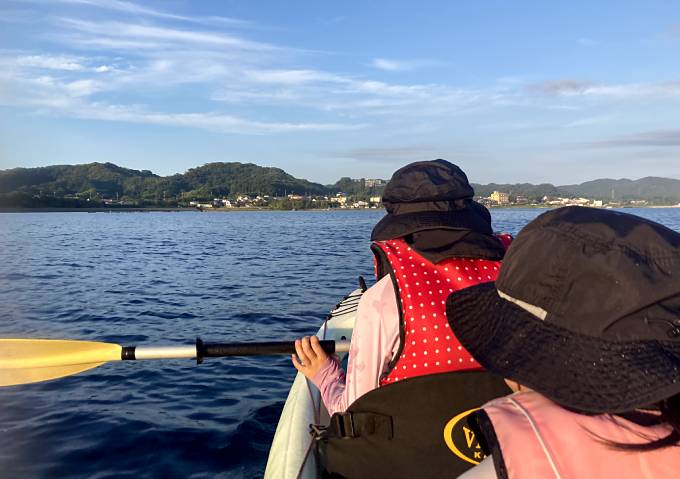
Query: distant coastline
246,210
245,186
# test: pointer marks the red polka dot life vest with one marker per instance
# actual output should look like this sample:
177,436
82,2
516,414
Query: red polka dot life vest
427,344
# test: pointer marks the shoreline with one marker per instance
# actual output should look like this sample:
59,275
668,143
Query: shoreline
239,210
169,210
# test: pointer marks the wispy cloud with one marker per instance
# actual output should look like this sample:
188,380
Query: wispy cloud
657,138
58,62
581,88
561,87
50,62
587,42
140,10
590,121
50,96
205,120
394,154
138,49
139,33
401,65
292,77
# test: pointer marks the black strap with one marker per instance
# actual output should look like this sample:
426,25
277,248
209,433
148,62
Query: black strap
351,425
485,433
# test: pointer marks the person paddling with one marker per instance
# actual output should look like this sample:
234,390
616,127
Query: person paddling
584,322
434,240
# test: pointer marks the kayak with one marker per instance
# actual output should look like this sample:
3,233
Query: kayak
292,454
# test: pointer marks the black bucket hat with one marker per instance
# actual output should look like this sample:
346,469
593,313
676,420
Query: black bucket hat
586,311
430,195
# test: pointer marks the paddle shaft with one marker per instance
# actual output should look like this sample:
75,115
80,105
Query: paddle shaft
217,350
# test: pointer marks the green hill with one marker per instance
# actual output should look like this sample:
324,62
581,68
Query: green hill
103,178
90,184
96,181
245,178
654,189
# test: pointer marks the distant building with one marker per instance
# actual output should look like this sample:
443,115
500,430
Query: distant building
339,198
521,200
500,197
375,200
374,182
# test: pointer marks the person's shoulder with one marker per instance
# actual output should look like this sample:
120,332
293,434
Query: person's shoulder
381,287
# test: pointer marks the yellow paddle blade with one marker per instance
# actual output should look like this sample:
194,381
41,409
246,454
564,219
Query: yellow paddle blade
31,360
12,377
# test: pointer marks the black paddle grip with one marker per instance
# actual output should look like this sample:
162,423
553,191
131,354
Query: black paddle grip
218,350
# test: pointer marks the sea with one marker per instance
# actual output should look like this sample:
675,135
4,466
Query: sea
152,278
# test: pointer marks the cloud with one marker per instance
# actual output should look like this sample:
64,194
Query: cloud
50,62
67,64
587,42
136,9
586,89
590,121
50,95
400,65
122,58
137,34
561,87
393,154
205,120
657,138
82,87
292,77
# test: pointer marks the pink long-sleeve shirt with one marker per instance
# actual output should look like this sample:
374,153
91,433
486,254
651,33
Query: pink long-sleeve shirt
375,340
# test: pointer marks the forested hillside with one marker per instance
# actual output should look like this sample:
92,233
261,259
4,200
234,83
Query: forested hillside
81,185
96,181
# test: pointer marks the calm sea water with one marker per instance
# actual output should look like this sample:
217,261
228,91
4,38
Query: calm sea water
162,278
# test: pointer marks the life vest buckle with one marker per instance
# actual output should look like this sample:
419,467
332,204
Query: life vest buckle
318,432
343,424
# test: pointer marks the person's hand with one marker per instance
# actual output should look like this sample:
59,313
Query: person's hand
310,356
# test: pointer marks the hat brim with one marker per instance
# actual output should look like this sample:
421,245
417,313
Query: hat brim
394,226
581,373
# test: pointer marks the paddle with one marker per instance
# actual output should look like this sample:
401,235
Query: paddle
25,361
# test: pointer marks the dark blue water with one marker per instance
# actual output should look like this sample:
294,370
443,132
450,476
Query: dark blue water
163,278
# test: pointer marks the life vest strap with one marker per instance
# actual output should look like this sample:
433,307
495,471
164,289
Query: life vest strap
351,425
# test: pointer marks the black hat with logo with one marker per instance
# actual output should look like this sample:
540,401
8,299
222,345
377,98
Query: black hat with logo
586,311
430,195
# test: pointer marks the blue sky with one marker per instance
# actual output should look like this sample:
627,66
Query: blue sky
510,91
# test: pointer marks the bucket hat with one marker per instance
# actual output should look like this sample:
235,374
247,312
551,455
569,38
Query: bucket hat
430,195
586,311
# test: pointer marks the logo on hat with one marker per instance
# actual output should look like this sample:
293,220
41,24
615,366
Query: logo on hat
461,440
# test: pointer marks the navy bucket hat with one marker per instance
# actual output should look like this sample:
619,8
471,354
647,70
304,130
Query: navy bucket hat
430,195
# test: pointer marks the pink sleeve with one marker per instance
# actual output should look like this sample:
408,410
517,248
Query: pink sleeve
374,342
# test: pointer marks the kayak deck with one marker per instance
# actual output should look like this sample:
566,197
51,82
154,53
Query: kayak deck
292,452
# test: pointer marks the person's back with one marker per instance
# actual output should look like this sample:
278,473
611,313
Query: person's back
434,240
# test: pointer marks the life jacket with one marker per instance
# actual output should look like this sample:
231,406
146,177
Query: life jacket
426,344
413,425
530,436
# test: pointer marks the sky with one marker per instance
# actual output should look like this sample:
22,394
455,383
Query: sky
521,91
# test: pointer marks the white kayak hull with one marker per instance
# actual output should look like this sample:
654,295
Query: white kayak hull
292,452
